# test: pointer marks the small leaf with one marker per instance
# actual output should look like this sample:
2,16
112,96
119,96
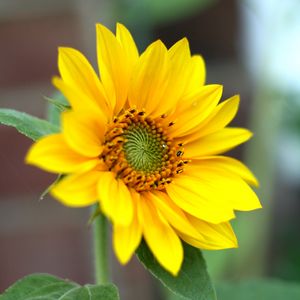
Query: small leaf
192,282
95,213
266,289
47,190
58,104
44,286
54,110
26,124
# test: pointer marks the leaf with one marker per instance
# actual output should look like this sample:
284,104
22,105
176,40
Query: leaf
192,282
47,190
95,213
48,287
266,289
57,104
26,124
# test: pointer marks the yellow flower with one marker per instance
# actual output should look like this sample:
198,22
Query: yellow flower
144,140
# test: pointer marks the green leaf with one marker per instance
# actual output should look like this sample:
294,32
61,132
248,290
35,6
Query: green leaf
192,282
28,125
57,104
47,190
48,287
259,289
95,213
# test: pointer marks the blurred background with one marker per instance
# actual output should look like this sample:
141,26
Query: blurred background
251,47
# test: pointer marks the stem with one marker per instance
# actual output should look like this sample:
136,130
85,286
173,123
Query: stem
100,249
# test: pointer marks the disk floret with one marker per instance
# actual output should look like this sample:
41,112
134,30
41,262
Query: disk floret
138,150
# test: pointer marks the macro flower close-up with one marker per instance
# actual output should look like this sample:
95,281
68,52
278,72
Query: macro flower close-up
145,139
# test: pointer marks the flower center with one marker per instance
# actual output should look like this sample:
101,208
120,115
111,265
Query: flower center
138,150
144,147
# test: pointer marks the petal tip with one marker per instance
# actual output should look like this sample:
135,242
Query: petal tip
175,270
248,134
122,257
65,50
28,158
185,42
255,182
121,26
102,29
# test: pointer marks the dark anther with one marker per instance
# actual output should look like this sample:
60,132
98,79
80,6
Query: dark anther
141,113
179,153
171,124
180,144
180,164
132,111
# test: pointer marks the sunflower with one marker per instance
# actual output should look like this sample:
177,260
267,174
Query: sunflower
144,141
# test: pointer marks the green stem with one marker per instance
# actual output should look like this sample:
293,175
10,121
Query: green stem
100,249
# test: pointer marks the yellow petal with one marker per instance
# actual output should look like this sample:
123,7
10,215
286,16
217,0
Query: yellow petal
84,133
172,213
187,75
180,49
194,109
150,80
131,55
77,190
76,72
109,54
223,187
221,116
77,99
217,143
230,164
129,47
115,199
127,238
160,237
189,71
116,57
180,61
199,199
197,74
52,154
215,236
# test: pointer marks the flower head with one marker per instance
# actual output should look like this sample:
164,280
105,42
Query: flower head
144,139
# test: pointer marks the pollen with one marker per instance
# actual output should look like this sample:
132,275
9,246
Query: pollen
138,150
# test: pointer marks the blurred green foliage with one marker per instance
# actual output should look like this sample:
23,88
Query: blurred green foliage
258,289
162,11
141,16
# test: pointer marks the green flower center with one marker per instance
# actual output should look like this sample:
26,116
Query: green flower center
145,148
